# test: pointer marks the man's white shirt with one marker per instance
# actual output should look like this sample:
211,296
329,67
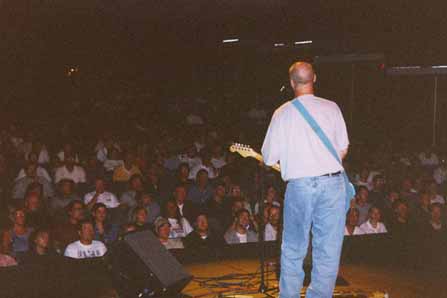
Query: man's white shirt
291,141
77,250
77,175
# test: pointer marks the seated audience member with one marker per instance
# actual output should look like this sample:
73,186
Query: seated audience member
182,176
272,227
271,199
63,197
440,174
146,200
436,227
100,195
387,207
153,181
186,207
103,149
201,241
240,232
205,165
21,185
41,171
85,247
422,213
352,220
93,169
400,225
362,179
162,228
139,219
409,193
41,151
67,231
376,196
428,158
190,157
236,206
201,191
36,214
127,169
67,150
180,226
6,258
435,197
217,209
128,198
373,224
113,161
40,248
361,204
236,193
104,231
217,156
70,171
20,233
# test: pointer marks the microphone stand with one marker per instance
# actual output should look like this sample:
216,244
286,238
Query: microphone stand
261,241
261,244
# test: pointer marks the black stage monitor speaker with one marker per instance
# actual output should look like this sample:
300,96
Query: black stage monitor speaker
142,267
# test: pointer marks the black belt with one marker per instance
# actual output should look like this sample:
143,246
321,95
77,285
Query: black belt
331,174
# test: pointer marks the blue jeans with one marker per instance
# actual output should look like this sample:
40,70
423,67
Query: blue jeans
316,203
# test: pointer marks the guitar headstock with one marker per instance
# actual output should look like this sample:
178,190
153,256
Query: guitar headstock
243,150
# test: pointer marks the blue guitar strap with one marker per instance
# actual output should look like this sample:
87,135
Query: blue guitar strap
350,191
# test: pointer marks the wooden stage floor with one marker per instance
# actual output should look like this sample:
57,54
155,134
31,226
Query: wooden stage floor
364,279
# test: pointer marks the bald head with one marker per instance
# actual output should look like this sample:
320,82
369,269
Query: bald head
301,74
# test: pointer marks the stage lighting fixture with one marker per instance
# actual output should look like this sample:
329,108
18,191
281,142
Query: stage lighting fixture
303,42
230,40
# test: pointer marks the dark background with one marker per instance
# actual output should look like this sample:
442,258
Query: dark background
143,54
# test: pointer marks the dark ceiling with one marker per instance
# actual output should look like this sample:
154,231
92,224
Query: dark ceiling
136,37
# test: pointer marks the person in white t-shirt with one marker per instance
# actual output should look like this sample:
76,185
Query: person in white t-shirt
70,171
100,195
205,165
85,247
190,157
373,224
272,227
352,221
41,171
180,226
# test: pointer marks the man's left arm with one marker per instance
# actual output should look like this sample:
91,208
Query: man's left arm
270,149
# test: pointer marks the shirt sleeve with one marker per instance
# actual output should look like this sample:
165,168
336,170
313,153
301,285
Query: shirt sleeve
271,147
87,198
70,252
186,226
103,249
114,201
82,175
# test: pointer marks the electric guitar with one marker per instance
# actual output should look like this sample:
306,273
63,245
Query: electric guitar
247,151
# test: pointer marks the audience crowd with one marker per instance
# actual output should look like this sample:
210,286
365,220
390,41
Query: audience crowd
75,198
